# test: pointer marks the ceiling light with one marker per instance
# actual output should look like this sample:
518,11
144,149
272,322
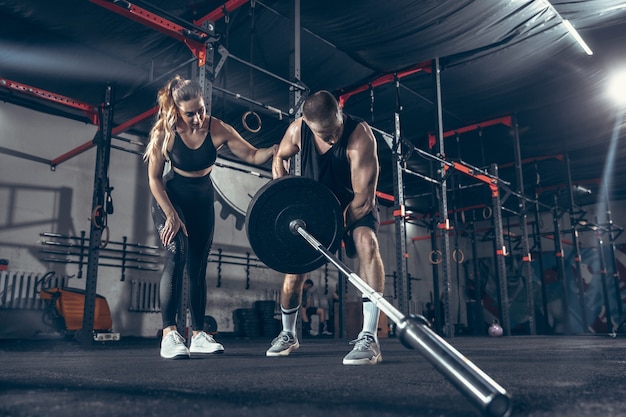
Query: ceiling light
570,28
576,36
582,189
617,86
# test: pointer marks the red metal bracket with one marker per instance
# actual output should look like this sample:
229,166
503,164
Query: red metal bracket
491,182
445,225
68,155
133,121
90,110
384,196
400,212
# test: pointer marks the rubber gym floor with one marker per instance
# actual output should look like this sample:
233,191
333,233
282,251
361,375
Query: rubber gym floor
544,375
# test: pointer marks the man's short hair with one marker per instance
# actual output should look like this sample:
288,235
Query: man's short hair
321,107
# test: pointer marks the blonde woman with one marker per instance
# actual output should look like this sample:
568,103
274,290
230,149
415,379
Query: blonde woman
182,207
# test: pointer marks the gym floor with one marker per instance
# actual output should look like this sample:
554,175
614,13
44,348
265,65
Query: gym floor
545,376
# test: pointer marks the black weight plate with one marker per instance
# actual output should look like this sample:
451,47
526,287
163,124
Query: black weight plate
275,206
210,325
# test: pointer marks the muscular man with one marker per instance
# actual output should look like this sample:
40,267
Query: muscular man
340,152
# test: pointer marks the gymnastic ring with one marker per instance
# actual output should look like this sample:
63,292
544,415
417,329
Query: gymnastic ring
105,242
432,259
245,123
487,212
455,256
95,215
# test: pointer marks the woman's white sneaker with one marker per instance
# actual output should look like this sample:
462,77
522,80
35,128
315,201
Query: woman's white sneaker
204,343
173,346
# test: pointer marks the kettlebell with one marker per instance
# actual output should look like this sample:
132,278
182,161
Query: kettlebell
495,329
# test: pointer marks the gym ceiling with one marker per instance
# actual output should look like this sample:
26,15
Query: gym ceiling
501,61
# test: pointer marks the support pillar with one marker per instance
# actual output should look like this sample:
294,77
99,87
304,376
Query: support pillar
295,95
443,205
98,215
576,247
538,246
399,212
560,262
500,253
603,276
613,259
527,270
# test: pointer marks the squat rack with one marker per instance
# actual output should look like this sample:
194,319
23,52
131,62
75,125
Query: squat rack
402,149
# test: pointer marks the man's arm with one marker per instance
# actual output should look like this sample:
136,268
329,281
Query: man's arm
222,132
364,169
288,147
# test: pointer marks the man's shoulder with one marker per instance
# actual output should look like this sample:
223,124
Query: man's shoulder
295,128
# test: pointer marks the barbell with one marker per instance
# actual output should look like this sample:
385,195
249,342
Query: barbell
279,219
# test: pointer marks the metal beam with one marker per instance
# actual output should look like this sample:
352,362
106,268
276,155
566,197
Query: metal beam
90,110
444,222
527,269
384,79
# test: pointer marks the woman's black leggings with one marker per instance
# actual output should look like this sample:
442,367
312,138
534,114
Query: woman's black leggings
193,200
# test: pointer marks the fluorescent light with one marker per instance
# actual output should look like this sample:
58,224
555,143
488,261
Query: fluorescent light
570,28
576,36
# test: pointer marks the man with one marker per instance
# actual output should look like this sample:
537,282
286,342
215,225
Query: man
340,152
308,309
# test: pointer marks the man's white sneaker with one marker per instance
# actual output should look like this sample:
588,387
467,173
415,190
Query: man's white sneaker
173,346
366,351
204,343
283,344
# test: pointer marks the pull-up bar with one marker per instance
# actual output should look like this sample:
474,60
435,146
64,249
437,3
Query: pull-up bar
505,120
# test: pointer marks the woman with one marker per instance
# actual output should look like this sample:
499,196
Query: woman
182,207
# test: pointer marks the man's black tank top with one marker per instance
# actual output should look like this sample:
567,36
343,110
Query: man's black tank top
186,159
332,168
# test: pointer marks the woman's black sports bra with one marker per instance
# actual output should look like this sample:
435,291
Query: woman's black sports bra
189,160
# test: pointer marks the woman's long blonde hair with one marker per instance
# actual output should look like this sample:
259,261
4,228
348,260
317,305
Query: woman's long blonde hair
169,96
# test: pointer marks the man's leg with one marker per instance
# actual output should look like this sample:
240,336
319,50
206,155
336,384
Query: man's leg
290,299
366,350
323,322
